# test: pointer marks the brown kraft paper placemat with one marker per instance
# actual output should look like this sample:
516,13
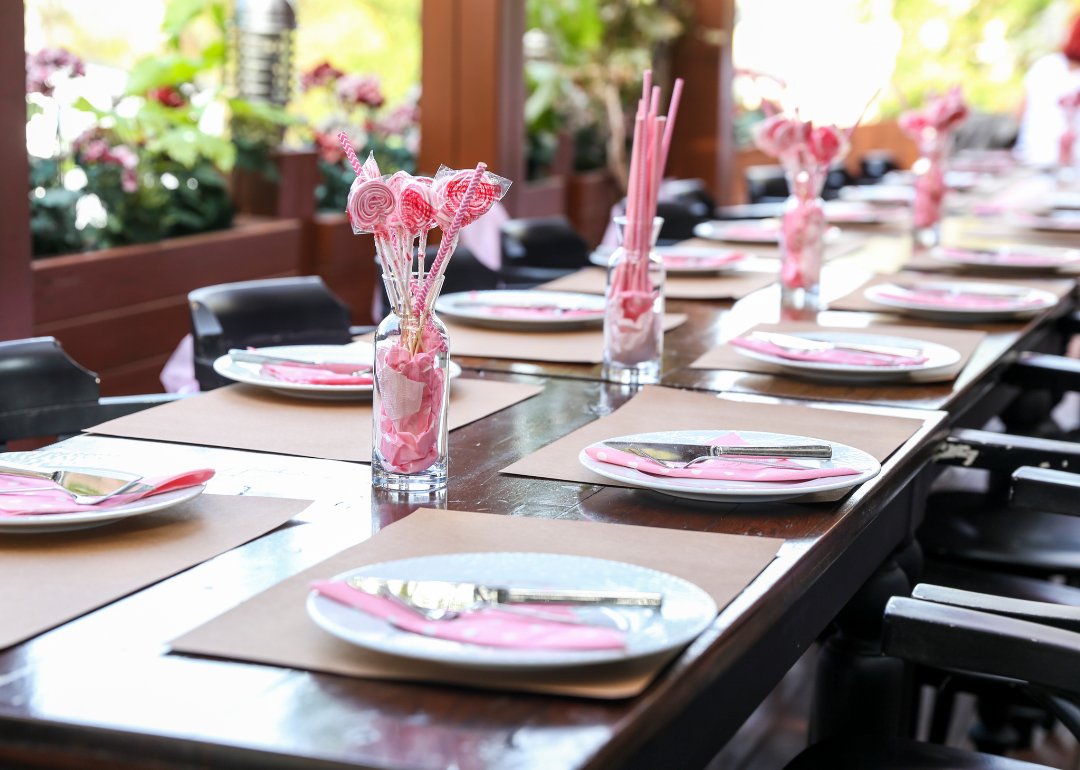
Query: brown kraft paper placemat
657,408
857,302
964,341
736,285
274,628
50,578
248,417
575,347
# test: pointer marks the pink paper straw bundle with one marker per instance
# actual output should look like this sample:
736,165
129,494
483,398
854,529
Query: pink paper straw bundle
652,142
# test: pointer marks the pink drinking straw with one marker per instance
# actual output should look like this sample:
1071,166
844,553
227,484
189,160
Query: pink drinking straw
347,145
631,187
450,234
669,129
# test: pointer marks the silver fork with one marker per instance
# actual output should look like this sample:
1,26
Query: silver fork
443,614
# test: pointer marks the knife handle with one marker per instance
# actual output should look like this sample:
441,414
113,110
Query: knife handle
560,596
816,451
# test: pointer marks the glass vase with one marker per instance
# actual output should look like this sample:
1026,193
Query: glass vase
802,242
412,391
928,205
634,311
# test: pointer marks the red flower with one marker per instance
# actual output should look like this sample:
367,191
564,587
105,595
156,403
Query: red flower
166,95
360,89
330,148
322,75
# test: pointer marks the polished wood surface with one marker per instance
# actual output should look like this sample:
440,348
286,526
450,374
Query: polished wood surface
103,691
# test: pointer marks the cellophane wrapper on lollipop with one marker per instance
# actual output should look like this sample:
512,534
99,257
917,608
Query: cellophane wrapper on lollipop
411,345
932,127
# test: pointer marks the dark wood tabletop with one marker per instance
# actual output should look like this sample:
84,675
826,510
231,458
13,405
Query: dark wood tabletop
103,691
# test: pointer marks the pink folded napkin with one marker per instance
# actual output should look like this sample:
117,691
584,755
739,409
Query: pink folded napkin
1009,258
933,298
675,260
323,374
488,627
719,469
834,356
48,501
762,234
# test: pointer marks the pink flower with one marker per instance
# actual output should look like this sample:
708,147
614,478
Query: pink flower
330,148
778,135
322,75
95,150
43,65
360,89
401,119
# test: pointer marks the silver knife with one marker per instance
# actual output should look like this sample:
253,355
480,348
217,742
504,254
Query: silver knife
247,357
686,453
442,594
801,343
87,486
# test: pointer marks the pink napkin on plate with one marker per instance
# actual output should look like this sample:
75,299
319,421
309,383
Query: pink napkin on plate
973,301
834,356
1009,258
323,374
488,627
763,234
718,469
48,501
676,260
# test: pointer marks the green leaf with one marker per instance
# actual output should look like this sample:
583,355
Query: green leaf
178,15
82,104
159,71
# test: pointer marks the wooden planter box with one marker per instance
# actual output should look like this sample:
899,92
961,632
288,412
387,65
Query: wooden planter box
589,198
121,312
346,263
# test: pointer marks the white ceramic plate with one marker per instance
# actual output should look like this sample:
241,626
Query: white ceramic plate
719,491
878,193
476,309
940,357
686,612
361,353
1058,221
684,260
749,231
1011,259
65,522
861,213
1041,299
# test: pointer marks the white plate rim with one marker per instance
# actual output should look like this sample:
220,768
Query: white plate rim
445,306
61,521
473,656
936,253
771,491
600,259
870,339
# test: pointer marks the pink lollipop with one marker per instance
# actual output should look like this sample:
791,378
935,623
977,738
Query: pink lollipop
371,201
415,210
452,191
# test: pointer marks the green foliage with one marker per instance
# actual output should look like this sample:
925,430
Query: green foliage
991,77
52,211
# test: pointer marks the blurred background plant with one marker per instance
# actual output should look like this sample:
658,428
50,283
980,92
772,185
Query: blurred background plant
333,101
584,61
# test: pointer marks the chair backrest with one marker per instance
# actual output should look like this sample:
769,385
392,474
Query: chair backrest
549,242
766,184
274,311
43,392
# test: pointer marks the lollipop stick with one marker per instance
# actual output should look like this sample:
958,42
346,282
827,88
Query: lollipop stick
347,146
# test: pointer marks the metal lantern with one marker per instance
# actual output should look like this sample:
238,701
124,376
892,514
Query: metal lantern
263,39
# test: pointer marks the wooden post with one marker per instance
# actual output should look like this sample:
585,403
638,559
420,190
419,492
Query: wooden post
474,88
703,143
15,284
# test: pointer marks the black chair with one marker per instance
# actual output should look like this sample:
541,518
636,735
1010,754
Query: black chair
766,184
43,392
274,311
875,165
541,249
1030,646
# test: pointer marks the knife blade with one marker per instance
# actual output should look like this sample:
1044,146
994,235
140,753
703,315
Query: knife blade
448,595
685,453
338,367
790,341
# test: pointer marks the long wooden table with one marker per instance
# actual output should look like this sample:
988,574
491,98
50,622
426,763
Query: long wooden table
103,692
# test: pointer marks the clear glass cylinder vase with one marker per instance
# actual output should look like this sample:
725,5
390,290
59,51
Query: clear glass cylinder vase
411,395
802,242
634,313
928,205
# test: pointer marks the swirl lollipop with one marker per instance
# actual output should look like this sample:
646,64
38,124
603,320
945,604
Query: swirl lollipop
416,209
371,201
452,189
